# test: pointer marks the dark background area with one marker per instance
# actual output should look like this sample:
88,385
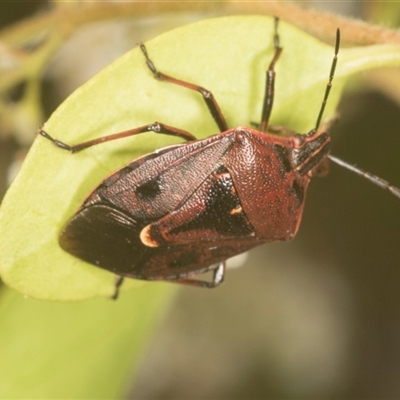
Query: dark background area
317,317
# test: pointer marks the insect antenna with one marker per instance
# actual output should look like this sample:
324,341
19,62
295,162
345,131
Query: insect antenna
329,85
367,175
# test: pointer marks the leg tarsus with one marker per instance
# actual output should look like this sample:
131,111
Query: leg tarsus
59,144
149,63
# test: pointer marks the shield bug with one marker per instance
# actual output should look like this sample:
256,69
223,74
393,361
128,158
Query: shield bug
184,209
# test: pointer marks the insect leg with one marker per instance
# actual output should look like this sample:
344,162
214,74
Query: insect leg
118,284
270,82
218,278
208,97
156,127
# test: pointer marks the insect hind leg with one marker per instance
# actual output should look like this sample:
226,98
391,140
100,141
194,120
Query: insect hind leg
218,278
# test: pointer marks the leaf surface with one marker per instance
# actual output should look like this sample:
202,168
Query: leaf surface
226,55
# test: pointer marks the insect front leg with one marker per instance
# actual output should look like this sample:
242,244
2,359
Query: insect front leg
208,97
156,127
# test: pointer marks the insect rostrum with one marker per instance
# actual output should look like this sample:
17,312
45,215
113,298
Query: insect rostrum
184,209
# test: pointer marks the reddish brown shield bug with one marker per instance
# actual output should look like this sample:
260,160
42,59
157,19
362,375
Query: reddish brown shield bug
184,209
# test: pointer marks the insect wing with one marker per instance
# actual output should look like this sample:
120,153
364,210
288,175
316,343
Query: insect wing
110,239
213,213
182,261
103,236
106,229
157,186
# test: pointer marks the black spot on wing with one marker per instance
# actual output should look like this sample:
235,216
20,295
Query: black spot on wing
149,189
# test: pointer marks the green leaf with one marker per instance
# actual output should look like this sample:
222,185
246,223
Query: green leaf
227,56
81,350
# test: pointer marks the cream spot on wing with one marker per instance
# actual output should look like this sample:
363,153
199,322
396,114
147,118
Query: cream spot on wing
146,239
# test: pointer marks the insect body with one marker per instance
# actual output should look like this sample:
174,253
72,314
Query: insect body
186,208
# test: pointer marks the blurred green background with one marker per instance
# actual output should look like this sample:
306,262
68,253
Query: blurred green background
315,318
